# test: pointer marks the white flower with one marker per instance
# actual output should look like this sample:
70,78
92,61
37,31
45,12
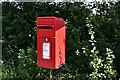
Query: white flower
92,36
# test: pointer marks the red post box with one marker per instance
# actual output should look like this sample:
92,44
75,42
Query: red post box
51,39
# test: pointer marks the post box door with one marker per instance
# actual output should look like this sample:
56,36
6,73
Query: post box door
46,48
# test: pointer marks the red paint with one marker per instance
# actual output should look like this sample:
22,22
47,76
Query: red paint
54,30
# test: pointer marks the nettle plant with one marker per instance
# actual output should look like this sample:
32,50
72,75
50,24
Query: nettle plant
102,66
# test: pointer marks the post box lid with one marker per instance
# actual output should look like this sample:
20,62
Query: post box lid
45,21
50,21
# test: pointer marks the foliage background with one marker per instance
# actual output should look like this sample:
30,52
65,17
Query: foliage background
93,39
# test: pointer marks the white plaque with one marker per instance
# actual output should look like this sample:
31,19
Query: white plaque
46,50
